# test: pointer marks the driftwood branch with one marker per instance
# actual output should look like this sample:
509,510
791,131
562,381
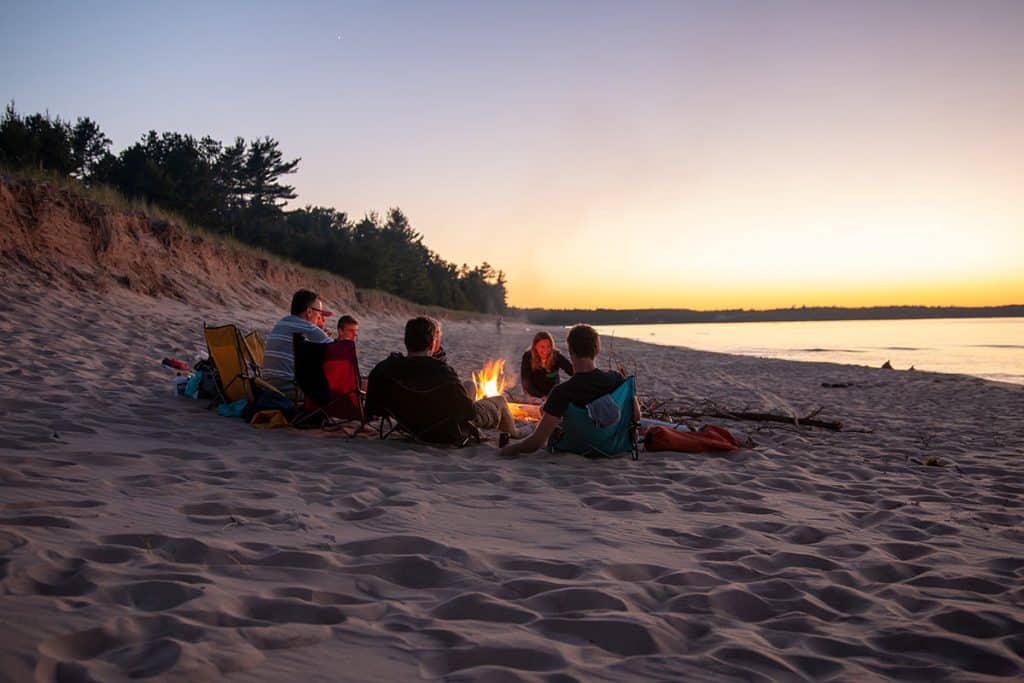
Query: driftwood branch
650,406
808,420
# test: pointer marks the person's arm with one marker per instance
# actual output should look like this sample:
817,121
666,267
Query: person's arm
565,365
541,433
316,335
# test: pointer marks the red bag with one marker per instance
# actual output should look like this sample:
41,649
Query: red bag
709,438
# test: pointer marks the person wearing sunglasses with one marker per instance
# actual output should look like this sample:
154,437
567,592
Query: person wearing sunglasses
307,317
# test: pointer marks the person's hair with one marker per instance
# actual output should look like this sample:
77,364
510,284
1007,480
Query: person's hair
420,333
535,361
583,341
346,320
302,300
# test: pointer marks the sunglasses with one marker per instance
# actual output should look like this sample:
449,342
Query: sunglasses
319,311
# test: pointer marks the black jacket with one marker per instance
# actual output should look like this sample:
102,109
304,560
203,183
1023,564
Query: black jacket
540,382
423,394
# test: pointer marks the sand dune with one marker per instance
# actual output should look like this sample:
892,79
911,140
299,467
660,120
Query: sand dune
142,535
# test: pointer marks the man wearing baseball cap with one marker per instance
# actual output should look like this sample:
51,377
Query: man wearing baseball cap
307,318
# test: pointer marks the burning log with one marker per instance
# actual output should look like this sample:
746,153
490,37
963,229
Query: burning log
527,412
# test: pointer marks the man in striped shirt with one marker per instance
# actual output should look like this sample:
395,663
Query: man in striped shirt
307,318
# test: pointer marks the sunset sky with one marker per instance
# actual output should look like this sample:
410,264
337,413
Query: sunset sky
650,154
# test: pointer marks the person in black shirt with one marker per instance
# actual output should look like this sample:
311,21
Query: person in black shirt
587,384
422,370
540,366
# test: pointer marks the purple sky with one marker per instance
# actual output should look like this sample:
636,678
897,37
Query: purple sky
708,154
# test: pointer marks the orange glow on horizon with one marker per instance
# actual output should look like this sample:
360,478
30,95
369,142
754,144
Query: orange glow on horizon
700,296
774,245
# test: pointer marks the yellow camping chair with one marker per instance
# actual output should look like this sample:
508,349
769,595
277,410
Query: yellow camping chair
238,371
257,346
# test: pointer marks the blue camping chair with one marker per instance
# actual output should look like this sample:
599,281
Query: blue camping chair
579,434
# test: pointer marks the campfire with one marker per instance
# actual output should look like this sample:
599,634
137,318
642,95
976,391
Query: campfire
490,381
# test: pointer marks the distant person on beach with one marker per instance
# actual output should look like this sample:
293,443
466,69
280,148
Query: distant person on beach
420,369
348,328
586,384
306,318
498,324
540,366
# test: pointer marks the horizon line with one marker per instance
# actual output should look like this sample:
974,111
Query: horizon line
771,310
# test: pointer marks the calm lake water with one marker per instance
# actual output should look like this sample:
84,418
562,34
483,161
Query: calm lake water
992,348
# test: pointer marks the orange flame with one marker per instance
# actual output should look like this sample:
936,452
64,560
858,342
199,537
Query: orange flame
490,381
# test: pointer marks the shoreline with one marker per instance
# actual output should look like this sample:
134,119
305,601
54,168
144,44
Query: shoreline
948,358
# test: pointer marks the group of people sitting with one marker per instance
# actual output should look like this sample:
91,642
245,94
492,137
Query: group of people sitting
424,367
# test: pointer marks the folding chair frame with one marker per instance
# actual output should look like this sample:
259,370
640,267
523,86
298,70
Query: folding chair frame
390,423
249,374
329,420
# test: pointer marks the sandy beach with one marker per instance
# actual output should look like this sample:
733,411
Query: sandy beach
142,535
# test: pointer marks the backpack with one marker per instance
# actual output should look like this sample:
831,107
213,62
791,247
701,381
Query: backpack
208,380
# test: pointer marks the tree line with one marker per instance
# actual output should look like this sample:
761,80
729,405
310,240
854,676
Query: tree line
238,189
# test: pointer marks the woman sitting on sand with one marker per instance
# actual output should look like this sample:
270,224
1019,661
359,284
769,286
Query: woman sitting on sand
541,363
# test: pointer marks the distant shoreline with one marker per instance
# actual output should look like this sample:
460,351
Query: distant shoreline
659,316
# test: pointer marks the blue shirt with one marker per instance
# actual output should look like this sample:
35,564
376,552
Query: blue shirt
279,357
